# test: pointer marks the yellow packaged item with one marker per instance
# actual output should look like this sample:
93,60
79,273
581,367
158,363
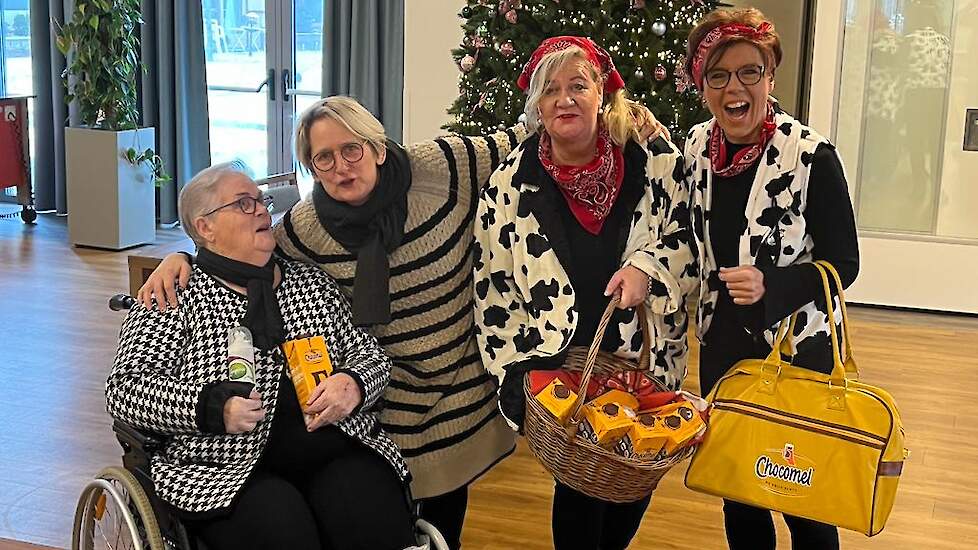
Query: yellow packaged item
647,435
824,447
681,427
558,399
617,397
309,364
609,422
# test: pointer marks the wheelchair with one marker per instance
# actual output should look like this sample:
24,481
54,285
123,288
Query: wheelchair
120,509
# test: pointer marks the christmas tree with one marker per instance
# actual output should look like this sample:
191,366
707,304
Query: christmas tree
646,40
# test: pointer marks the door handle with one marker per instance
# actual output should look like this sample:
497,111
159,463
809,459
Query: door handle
286,81
270,82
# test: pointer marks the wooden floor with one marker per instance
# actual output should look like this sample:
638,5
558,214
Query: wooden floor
59,337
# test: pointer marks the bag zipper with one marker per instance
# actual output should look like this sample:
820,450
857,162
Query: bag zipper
803,423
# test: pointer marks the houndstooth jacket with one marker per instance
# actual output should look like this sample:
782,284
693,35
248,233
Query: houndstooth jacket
165,359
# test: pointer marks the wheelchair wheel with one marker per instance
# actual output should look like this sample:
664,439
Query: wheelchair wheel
114,512
429,537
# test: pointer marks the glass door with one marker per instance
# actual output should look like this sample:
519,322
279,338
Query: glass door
264,66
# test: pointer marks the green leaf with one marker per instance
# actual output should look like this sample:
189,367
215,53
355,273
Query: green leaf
93,22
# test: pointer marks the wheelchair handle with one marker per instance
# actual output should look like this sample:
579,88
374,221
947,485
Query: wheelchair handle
120,302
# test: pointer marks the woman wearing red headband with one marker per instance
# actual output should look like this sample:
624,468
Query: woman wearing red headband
768,197
579,211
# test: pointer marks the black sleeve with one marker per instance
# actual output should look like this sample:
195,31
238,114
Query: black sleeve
210,404
832,226
512,400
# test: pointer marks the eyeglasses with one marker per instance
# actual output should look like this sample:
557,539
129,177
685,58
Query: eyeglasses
326,161
247,204
748,75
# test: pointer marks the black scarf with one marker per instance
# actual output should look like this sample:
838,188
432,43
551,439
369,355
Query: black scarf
371,231
263,318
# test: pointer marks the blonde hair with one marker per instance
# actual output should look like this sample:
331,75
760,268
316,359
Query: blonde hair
345,111
197,197
617,115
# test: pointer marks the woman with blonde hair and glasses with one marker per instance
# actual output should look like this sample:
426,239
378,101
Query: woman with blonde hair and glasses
768,197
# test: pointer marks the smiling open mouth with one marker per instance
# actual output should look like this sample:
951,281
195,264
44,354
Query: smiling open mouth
737,109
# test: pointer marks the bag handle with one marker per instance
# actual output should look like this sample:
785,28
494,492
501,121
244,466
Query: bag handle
852,371
838,376
644,358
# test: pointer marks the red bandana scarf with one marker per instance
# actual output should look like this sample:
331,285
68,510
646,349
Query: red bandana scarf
746,157
590,190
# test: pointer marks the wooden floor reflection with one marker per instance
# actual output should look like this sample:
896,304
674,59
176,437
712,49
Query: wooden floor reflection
59,337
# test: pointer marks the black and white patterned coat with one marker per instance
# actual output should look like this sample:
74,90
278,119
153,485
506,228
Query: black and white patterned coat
165,359
776,229
525,303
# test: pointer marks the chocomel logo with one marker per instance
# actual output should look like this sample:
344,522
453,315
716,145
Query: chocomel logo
314,356
783,471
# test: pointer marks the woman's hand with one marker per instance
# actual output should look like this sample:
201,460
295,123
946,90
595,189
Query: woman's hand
160,282
745,284
332,400
633,284
646,125
242,415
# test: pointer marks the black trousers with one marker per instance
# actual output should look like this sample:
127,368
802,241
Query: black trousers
581,522
352,500
447,513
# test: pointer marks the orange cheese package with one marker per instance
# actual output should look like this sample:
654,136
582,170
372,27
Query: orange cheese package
558,399
605,424
617,397
309,364
681,427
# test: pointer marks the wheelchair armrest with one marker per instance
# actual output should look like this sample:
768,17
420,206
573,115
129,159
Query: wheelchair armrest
132,438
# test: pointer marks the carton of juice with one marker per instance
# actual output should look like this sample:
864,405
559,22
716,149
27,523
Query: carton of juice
558,399
309,364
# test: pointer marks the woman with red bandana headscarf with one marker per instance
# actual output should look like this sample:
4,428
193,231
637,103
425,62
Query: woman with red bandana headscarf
768,197
579,211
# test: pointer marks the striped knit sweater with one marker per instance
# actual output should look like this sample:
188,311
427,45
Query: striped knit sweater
441,405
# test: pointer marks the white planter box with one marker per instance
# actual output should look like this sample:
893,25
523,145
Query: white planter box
111,204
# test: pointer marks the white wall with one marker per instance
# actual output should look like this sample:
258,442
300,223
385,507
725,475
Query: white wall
432,29
905,271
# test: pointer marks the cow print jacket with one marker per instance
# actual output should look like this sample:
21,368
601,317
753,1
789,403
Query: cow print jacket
776,232
525,303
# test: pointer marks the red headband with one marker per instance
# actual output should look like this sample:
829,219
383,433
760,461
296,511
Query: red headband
721,34
596,55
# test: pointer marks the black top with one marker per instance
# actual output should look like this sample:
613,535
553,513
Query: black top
736,331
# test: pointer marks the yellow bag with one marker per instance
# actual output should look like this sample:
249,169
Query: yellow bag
819,446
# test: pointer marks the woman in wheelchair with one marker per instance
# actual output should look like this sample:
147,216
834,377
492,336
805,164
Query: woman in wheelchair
246,465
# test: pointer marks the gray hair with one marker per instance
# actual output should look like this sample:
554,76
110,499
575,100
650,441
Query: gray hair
544,70
346,112
197,197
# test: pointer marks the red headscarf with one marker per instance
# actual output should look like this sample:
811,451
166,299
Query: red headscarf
596,55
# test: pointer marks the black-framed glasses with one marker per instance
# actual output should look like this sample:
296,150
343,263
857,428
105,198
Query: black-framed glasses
351,152
748,75
247,204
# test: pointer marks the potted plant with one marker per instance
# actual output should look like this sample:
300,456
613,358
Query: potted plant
111,164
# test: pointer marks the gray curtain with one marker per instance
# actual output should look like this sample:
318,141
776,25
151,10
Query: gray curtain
363,56
49,110
174,93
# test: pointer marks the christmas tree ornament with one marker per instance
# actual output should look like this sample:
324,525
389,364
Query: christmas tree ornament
507,49
659,28
660,73
637,4
467,63
478,42
466,12
639,74
511,17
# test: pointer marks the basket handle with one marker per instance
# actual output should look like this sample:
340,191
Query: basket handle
644,357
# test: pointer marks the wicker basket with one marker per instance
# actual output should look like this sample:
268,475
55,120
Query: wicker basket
579,463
